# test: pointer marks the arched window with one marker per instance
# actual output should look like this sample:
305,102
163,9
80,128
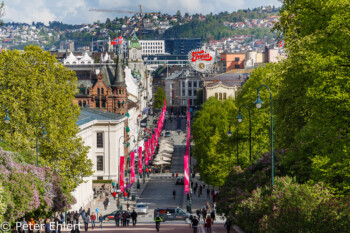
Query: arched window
120,92
216,96
82,62
103,103
84,103
102,91
80,103
97,103
118,104
220,96
98,91
123,104
224,96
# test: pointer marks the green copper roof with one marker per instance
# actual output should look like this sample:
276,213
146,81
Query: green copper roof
134,42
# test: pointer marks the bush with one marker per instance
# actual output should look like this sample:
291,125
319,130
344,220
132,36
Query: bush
291,207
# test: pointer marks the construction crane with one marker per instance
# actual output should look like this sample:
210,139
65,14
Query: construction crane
129,12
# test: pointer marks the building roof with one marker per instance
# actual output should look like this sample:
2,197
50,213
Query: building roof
134,42
89,114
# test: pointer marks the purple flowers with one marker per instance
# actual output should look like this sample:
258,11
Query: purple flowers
31,189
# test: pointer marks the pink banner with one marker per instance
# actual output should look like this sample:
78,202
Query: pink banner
132,155
140,160
156,138
187,177
153,144
149,150
146,153
121,174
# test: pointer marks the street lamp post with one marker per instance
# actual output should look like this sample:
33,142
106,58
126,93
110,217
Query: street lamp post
258,103
229,134
240,119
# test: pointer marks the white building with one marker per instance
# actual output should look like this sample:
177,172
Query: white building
101,131
152,47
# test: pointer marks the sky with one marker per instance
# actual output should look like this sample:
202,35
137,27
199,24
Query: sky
77,11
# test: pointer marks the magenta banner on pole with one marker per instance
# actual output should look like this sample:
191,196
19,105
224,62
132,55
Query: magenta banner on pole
153,144
132,163
140,160
121,174
186,174
146,153
156,138
149,150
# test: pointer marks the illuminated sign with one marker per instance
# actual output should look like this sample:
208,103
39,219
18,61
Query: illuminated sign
201,60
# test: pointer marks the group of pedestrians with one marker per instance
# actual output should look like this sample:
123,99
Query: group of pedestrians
123,219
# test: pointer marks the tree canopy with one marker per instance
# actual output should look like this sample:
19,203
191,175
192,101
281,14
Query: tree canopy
38,92
159,98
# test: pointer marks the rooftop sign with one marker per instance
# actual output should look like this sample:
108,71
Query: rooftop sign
201,60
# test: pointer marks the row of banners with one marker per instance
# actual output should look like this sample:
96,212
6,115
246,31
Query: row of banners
149,146
187,152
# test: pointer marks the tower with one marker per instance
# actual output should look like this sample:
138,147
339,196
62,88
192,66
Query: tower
120,96
135,55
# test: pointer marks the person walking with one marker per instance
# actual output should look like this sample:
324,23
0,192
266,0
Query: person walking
117,218
86,222
208,224
195,223
195,190
204,214
47,225
134,217
105,203
76,217
127,218
31,224
200,190
198,212
227,225
212,215
93,220
124,218
208,193
125,195
174,193
100,219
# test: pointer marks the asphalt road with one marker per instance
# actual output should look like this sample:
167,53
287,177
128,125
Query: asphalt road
159,190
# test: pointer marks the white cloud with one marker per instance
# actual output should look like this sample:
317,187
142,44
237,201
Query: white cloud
77,11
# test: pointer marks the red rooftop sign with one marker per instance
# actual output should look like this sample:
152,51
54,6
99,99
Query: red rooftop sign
201,60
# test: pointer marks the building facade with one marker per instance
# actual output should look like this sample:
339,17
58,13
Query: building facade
152,47
182,46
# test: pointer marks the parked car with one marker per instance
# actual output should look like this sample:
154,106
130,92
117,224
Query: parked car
110,216
141,208
172,214
179,181
167,134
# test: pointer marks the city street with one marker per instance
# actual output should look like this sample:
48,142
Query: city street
164,227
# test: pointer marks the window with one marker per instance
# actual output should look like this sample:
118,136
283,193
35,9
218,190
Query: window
100,177
189,84
99,140
237,66
99,163
183,92
194,84
79,103
183,84
170,211
224,96
102,91
97,103
216,95
98,91
189,92
194,92
220,96
118,104
103,103
236,58
84,103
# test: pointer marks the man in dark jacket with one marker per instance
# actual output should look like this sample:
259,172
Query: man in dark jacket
134,217
117,218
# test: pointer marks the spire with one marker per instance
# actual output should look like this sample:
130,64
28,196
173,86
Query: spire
119,72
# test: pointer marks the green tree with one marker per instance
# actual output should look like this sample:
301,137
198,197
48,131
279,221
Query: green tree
159,98
38,93
178,13
213,149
